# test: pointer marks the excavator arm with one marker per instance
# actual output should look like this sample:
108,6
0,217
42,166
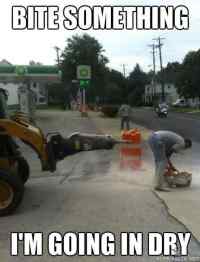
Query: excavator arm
54,147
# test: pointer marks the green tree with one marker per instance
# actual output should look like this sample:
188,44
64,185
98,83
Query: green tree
85,50
189,77
113,94
115,87
170,73
150,76
136,86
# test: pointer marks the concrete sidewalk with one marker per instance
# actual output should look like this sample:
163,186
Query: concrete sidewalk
182,204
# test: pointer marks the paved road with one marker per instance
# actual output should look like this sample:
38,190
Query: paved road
98,197
183,123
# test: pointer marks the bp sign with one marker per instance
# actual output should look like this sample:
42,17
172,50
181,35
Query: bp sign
20,70
83,72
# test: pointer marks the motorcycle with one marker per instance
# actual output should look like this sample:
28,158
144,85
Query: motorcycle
162,111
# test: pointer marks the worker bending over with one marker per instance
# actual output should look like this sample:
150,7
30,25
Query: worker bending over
163,144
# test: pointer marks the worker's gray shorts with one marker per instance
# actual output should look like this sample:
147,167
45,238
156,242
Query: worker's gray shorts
158,148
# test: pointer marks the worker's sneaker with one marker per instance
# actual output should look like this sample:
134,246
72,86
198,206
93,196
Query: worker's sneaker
163,189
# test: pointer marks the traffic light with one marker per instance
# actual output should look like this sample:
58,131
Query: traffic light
84,83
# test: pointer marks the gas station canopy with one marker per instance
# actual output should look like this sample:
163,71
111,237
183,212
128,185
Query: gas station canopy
18,73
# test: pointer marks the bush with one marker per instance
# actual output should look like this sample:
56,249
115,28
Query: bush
110,111
91,107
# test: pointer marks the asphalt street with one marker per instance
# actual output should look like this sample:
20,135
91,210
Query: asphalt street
186,124
96,197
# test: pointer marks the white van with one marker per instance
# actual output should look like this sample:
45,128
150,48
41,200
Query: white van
181,102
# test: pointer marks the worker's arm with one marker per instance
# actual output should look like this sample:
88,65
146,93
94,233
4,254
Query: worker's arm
120,111
178,148
171,166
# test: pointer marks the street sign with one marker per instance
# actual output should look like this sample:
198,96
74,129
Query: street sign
84,83
83,72
75,81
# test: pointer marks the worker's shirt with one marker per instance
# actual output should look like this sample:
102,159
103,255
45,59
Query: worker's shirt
125,111
172,141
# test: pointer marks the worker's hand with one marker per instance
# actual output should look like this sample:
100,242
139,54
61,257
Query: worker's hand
171,166
170,152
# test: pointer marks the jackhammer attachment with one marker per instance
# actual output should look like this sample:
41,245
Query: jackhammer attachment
58,147
87,142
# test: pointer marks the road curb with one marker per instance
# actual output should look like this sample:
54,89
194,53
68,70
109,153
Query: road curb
171,213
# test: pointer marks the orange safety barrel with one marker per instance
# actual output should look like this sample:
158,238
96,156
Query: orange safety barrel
133,135
131,151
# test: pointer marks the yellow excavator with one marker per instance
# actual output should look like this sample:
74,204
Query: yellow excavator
14,169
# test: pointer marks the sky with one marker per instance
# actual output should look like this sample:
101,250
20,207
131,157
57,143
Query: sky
121,47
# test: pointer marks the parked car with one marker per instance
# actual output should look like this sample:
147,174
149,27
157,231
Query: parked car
180,103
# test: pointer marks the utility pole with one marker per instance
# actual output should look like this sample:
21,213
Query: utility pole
57,54
126,84
159,46
124,70
153,46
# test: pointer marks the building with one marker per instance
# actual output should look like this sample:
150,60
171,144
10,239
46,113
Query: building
10,87
26,85
35,76
36,83
12,91
41,93
153,93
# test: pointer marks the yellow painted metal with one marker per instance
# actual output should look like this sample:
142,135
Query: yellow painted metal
6,194
28,133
